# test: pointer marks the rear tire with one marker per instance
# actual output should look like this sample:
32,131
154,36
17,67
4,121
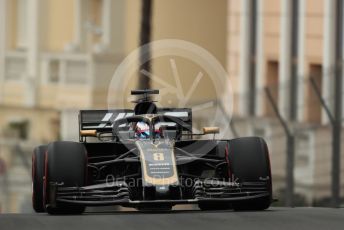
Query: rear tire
249,162
38,158
65,162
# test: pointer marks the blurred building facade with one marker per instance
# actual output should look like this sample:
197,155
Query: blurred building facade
281,44
53,55
58,57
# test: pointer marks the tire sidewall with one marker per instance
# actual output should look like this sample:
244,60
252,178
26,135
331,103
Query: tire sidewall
250,162
38,159
66,163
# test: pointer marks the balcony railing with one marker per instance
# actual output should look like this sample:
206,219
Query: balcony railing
69,69
16,66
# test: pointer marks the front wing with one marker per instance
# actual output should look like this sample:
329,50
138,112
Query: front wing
118,193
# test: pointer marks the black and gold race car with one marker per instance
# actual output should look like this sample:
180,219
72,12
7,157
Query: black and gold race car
149,158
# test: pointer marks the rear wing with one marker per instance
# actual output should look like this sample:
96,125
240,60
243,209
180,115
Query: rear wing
185,114
102,120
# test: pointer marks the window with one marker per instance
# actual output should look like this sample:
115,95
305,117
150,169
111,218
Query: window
20,129
76,72
313,104
272,82
21,12
54,71
15,68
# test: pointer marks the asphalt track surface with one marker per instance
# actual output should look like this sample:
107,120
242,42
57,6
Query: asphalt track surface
274,218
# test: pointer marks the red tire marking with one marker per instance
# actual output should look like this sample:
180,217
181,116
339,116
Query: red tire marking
228,163
45,179
33,176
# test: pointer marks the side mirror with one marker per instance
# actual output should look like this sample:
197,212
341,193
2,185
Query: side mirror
211,130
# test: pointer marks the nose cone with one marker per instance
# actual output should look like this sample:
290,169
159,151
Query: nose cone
158,164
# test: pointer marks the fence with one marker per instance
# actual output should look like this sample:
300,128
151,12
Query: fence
15,176
303,144
312,134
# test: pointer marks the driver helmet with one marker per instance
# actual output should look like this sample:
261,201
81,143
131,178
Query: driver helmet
142,130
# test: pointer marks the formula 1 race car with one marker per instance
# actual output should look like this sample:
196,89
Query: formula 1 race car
148,158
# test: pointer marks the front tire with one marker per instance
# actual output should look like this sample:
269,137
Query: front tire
66,162
38,158
249,162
